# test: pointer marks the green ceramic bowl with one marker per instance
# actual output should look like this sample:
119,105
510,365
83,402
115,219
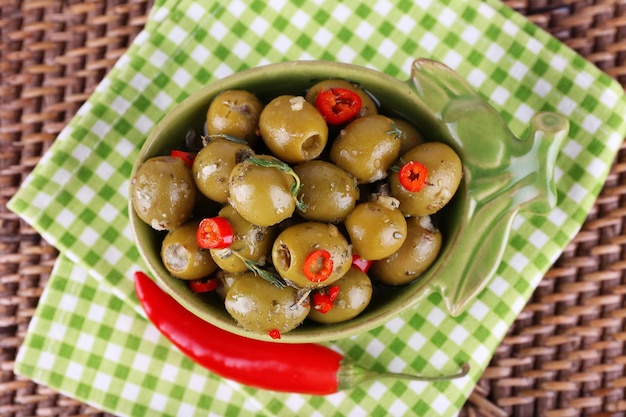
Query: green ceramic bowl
502,175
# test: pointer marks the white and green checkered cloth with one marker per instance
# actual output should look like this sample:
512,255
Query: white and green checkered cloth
88,338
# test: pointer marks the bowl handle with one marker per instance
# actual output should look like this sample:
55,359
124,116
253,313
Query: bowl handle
503,175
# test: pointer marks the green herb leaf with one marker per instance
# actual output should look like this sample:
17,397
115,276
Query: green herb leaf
255,267
396,168
283,167
396,132
206,139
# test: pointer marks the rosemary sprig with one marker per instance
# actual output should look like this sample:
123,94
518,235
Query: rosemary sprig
283,167
207,138
396,132
396,168
255,267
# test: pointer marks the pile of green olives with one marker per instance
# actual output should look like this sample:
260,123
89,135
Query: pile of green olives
298,207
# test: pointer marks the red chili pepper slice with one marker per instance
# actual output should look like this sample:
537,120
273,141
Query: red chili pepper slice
214,233
187,157
338,105
413,176
322,299
333,292
318,265
274,334
203,285
257,363
361,263
322,302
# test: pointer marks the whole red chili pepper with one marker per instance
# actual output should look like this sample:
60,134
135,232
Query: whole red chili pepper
306,368
338,105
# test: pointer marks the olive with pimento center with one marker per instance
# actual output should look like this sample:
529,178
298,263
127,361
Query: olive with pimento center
249,242
311,254
368,106
442,171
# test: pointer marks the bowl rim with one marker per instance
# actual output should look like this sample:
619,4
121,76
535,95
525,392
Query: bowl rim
411,294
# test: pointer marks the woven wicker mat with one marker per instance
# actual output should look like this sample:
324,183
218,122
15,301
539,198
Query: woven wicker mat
564,356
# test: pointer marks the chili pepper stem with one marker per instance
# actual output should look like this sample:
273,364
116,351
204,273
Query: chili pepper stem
350,375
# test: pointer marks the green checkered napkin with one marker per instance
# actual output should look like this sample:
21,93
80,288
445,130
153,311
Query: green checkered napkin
88,341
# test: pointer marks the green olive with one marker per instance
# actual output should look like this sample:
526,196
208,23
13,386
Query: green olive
163,192
260,307
261,194
249,241
355,293
368,106
213,165
444,176
410,136
376,229
235,113
182,256
367,147
416,255
293,129
295,243
328,192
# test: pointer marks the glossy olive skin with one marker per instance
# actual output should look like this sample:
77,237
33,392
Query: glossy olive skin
328,192
368,106
416,255
355,294
213,164
249,241
259,306
444,176
376,230
296,242
367,147
293,130
163,192
235,113
410,137
262,195
181,255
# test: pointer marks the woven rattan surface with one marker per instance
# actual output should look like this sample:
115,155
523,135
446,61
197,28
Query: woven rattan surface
565,355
